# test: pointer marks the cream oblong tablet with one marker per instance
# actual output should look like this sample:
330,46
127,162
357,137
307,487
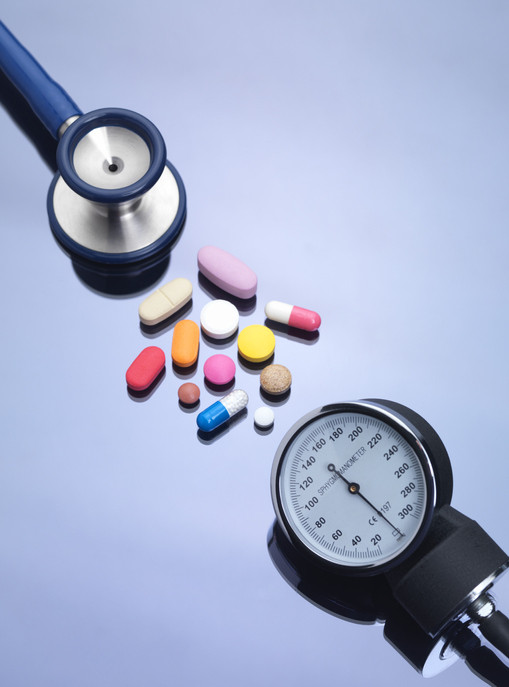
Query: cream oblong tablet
227,272
166,301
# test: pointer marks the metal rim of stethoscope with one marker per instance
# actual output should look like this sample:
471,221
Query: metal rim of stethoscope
146,256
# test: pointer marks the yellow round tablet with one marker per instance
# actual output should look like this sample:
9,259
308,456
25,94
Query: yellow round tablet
256,343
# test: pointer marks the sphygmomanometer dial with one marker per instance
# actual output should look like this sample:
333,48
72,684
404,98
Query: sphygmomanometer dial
354,484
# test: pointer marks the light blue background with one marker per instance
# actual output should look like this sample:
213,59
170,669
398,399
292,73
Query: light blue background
355,156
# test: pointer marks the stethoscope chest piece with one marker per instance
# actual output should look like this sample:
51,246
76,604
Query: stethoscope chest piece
116,200
116,205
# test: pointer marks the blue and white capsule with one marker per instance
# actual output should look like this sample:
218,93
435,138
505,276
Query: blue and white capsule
221,411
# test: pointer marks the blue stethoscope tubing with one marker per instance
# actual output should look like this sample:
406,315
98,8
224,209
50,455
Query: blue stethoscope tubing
48,100
55,108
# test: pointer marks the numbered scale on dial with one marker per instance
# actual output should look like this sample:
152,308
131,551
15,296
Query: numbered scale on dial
355,485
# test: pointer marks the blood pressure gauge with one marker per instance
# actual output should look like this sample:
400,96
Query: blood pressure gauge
362,494
356,484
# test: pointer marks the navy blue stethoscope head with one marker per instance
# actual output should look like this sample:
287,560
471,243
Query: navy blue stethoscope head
116,202
93,124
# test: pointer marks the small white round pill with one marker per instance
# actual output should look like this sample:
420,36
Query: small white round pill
219,319
264,417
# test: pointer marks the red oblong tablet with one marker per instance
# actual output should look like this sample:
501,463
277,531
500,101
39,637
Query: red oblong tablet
145,368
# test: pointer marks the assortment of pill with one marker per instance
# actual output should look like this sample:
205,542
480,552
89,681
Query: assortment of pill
221,411
188,394
219,321
256,343
145,368
293,316
227,272
276,379
219,369
166,301
264,417
185,343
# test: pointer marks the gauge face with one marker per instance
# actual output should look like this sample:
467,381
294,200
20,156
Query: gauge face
354,486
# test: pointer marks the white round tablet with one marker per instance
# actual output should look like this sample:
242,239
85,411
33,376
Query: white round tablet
264,417
219,319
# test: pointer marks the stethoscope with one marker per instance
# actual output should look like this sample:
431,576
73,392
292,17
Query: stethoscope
115,202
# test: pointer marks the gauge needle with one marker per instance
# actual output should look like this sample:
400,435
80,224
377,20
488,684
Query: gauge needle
355,488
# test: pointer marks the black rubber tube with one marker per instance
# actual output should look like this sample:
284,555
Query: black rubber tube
496,630
481,660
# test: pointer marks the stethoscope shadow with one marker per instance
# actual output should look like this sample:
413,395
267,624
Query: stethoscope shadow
121,285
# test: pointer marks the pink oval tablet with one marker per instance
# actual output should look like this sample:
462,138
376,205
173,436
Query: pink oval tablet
219,369
145,368
227,272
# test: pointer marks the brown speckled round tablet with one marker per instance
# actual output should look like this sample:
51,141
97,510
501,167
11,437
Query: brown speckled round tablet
189,394
275,379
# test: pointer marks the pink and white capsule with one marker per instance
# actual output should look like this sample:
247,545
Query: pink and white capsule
293,316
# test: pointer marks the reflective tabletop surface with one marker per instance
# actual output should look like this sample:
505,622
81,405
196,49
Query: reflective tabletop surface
354,156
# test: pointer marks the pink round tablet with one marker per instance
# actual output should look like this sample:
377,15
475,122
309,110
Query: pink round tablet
219,369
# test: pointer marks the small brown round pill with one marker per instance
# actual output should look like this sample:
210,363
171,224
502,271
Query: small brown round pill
189,394
275,379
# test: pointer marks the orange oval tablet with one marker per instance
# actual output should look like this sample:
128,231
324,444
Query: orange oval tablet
185,343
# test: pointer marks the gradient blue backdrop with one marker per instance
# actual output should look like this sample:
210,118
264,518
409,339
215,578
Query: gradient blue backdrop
354,154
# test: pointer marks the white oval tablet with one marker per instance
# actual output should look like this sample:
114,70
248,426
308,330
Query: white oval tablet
264,417
219,319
